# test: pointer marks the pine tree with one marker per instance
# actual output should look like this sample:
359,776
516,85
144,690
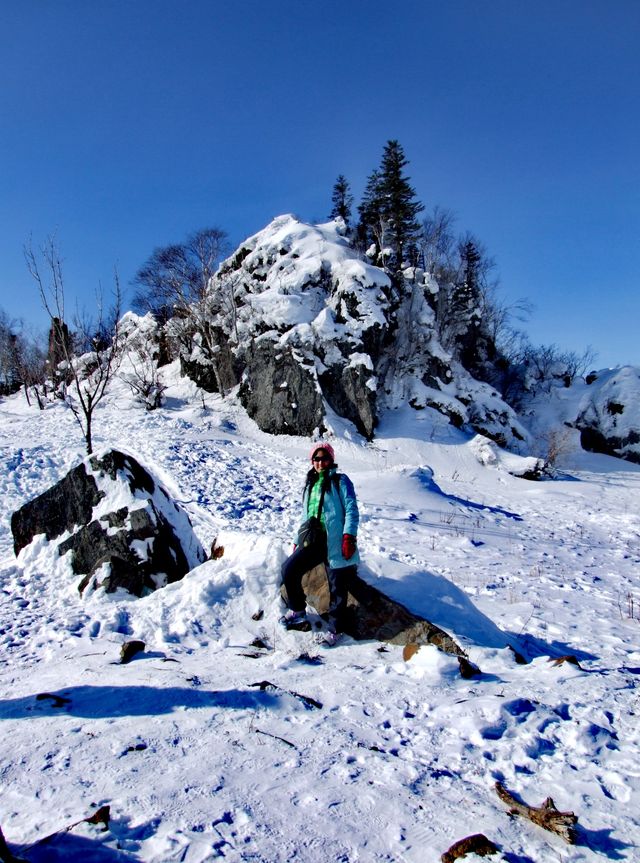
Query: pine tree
400,207
370,229
342,199
388,212
467,294
473,344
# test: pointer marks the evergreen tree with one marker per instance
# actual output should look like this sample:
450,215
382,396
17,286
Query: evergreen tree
389,210
473,343
400,207
371,226
466,299
342,199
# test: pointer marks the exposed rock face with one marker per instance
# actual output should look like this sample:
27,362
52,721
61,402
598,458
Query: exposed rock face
125,531
217,373
348,393
58,510
627,446
280,392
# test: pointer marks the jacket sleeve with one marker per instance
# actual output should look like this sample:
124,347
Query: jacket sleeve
351,512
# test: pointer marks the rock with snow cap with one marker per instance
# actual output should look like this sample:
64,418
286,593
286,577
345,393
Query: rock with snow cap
608,417
121,527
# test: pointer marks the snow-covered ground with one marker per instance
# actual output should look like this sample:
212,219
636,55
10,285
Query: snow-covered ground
400,760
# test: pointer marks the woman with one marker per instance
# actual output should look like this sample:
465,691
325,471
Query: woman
330,497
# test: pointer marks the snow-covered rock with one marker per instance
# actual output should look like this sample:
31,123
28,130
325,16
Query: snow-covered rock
316,327
601,411
121,527
609,413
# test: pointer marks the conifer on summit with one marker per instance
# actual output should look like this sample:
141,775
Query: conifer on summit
389,210
342,200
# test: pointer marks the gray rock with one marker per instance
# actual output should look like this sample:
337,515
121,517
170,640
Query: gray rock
220,373
349,396
58,510
140,546
608,417
279,392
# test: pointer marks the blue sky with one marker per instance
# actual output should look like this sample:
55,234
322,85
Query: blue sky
126,124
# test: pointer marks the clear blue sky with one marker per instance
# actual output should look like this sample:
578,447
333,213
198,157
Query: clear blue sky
126,124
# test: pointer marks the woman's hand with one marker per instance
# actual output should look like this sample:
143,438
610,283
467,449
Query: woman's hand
348,546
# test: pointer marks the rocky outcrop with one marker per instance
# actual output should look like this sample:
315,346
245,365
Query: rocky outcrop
626,446
350,391
121,527
315,326
215,369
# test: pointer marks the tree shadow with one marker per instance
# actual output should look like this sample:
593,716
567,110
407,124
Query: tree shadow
106,702
64,847
532,647
602,842
425,477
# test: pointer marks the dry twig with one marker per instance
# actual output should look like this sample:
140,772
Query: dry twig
546,816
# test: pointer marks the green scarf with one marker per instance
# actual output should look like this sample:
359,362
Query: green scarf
314,497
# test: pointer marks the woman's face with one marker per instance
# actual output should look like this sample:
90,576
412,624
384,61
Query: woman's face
321,459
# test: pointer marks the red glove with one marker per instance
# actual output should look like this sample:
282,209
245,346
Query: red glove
348,546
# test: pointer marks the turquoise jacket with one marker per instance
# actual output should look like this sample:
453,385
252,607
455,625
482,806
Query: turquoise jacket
340,515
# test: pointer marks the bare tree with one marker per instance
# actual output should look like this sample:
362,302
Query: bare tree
87,376
184,288
31,362
22,360
436,242
142,374
177,276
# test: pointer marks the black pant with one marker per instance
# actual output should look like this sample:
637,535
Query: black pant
300,562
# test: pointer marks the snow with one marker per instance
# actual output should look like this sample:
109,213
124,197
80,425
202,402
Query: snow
399,761
306,287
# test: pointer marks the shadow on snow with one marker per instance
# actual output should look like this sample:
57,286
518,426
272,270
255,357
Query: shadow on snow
425,477
105,702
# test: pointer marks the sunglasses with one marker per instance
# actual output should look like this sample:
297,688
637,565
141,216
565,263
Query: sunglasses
321,458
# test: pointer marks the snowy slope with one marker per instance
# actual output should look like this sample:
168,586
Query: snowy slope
400,759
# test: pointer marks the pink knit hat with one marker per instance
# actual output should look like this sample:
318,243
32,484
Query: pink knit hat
326,447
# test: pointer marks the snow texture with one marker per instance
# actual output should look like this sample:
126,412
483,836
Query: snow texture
392,760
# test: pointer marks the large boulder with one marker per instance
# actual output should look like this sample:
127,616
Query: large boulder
122,528
372,615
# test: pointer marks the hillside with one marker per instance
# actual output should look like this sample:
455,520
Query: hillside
309,328
399,761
